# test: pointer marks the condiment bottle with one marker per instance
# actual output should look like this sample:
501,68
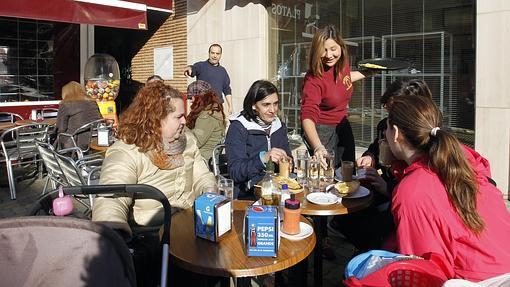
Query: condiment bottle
291,216
285,194
268,185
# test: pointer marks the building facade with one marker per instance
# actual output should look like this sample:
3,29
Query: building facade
450,44
458,47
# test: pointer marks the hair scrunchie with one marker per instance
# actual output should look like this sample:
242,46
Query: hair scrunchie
434,131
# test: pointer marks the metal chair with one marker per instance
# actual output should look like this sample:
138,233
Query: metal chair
218,162
9,117
89,129
84,171
54,173
18,146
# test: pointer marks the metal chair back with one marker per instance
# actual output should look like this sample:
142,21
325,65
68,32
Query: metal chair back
84,171
88,128
54,173
9,117
72,173
18,146
219,161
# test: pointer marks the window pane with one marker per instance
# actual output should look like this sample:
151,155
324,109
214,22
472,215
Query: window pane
435,36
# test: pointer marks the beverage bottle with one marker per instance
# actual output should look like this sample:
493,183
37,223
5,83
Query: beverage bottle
291,216
253,236
285,194
268,185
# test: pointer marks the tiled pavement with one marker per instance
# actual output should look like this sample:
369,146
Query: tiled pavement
30,189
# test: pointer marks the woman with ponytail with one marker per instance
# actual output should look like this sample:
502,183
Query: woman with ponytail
444,202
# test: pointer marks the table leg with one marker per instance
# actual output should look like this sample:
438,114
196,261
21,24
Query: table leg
298,274
319,225
225,282
243,282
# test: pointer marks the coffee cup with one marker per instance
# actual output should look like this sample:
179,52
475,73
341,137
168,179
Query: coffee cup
347,169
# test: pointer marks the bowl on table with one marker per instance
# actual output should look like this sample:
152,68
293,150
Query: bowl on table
344,188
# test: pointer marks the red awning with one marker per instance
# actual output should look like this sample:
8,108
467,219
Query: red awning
110,13
159,5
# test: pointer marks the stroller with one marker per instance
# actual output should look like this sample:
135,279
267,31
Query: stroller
85,273
62,251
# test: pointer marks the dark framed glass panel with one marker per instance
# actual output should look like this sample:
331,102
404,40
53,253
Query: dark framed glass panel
37,58
435,36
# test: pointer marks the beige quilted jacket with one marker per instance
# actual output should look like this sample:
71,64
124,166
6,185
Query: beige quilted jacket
124,164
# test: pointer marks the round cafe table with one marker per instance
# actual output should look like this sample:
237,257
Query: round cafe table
319,214
227,258
93,145
49,121
6,125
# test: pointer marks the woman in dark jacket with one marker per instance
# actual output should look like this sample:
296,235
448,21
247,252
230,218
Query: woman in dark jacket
255,136
75,110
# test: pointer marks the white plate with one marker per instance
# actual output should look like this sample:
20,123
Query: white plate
361,192
305,231
322,198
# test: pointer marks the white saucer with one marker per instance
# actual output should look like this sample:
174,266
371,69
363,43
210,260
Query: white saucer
322,198
361,192
305,231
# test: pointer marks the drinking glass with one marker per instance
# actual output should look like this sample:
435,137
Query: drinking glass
283,167
347,170
226,188
210,189
313,174
328,175
302,166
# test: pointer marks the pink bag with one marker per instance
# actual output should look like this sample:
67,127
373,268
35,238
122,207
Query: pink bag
62,205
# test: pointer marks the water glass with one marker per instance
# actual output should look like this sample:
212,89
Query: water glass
328,174
210,189
226,188
313,174
302,160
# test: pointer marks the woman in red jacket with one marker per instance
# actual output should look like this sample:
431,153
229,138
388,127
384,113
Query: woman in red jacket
444,202
327,90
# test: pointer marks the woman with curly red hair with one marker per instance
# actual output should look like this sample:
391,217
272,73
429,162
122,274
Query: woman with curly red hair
152,149
206,119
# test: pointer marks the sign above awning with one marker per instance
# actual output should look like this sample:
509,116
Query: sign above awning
110,13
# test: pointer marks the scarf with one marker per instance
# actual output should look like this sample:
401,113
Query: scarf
171,157
265,126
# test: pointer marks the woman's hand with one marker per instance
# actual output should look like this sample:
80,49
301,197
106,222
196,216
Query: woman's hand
276,154
365,161
378,183
320,153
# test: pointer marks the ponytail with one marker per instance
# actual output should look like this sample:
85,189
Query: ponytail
419,120
446,158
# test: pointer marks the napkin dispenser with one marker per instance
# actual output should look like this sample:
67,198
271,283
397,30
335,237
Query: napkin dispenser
103,135
213,218
261,225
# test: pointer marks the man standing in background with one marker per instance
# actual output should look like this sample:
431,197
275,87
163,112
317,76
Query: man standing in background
212,72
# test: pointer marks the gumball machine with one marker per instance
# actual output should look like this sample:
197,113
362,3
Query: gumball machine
102,82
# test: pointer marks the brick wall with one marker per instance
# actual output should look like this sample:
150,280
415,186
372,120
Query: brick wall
171,33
